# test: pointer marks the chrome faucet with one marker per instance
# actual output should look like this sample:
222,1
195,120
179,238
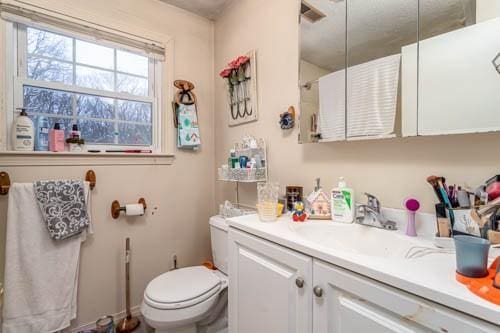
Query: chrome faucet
370,215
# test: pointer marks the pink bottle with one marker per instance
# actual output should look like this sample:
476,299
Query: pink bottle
56,138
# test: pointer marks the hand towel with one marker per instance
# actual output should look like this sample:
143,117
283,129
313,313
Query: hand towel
41,274
372,94
188,132
63,207
332,106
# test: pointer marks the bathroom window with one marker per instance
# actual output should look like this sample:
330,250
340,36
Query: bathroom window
109,91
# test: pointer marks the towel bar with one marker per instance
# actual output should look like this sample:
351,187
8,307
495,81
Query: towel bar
5,181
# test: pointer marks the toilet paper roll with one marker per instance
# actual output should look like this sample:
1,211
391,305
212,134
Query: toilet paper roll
134,209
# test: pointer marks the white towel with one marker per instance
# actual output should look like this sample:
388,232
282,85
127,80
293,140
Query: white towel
332,106
41,275
372,89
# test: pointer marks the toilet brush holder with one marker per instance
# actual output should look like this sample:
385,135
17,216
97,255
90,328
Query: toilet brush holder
129,323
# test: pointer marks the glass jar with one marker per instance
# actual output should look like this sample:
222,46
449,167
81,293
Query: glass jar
267,205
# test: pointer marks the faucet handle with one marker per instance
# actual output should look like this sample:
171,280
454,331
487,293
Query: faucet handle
373,202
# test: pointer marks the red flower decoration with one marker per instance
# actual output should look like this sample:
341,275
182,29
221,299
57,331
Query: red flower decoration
242,60
225,73
233,64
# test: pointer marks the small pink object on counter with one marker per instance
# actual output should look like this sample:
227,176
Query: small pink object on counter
493,188
412,205
56,138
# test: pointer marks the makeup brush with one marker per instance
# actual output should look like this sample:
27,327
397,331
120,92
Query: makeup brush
432,180
437,183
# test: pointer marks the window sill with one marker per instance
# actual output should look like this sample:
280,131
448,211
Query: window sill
33,158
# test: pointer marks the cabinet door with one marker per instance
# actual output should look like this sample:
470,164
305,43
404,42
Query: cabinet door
269,287
352,303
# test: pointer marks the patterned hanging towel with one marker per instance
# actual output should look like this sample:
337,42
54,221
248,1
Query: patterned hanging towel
188,130
63,207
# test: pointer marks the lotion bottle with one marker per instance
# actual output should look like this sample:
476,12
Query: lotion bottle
342,203
23,138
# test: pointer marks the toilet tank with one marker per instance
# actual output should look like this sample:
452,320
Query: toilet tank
218,236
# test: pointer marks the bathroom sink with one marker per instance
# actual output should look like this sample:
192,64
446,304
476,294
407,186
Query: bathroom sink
356,239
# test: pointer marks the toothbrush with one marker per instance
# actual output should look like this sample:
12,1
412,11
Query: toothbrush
412,205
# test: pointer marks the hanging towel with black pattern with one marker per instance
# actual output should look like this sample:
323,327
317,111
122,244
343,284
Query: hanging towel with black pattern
63,207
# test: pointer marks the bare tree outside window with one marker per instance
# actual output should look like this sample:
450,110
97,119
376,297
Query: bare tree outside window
52,57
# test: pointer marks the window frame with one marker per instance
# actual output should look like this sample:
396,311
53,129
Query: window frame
16,63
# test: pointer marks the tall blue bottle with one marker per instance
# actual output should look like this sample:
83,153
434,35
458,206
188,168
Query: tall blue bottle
42,134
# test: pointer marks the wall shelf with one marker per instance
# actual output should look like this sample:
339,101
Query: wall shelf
33,158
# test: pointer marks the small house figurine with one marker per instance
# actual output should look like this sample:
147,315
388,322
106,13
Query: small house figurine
319,203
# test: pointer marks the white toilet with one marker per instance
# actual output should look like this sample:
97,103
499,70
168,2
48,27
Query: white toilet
178,300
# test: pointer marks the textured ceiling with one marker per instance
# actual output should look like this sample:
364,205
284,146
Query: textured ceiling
376,28
206,8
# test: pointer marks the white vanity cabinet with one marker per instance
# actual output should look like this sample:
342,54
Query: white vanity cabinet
346,302
274,289
270,287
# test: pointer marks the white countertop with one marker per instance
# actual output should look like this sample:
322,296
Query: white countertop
431,277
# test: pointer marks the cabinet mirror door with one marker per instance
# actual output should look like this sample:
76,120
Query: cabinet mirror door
459,69
322,70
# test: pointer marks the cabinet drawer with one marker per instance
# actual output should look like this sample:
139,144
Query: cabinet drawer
348,292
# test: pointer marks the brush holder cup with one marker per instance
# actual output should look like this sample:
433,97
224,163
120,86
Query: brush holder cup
472,256
267,205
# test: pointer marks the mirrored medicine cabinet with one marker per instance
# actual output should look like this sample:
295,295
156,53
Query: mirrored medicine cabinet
396,68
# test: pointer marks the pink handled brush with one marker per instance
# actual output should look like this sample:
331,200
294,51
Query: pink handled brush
412,205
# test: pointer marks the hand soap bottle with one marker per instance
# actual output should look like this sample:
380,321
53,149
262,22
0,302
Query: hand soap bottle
342,203
23,134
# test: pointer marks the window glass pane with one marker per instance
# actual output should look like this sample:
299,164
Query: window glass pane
94,107
94,78
134,111
131,84
94,55
48,44
48,101
97,131
50,70
132,63
134,134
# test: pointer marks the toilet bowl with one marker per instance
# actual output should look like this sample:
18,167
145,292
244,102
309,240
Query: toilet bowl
176,301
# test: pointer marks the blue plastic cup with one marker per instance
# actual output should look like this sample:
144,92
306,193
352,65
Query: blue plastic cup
472,256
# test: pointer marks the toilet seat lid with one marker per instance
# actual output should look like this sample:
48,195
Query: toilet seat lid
182,287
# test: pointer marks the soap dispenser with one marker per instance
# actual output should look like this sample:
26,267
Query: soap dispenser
342,203
23,138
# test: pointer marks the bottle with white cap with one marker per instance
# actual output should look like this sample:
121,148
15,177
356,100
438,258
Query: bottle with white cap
342,203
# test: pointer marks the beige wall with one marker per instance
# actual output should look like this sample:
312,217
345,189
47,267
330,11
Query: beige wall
390,169
180,196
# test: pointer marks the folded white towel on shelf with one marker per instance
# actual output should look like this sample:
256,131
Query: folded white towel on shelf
41,275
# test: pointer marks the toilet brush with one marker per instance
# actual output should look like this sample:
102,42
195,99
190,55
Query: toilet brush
129,323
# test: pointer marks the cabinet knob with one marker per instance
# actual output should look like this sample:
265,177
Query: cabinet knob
318,291
299,282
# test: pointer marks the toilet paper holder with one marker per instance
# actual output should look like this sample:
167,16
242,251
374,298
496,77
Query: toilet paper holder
116,209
